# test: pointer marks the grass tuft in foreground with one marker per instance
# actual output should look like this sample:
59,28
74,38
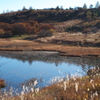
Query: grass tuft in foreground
76,88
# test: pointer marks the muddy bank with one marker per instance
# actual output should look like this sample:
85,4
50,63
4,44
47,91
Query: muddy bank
76,43
25,45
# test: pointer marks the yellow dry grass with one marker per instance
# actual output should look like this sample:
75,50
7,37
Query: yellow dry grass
25,45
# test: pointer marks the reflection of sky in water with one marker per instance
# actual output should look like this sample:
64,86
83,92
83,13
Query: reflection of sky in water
16,72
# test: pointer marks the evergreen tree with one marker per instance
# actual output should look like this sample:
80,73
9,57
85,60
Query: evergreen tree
24,8
91,6
97,4
61,7
30,8
3,11
70,8
7,11
57,8
85,6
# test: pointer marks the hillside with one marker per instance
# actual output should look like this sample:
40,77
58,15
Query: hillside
78,27
55,15
89,18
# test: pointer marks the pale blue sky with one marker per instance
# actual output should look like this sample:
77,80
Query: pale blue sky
40,4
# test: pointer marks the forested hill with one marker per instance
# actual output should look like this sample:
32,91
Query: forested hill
59,20
51,15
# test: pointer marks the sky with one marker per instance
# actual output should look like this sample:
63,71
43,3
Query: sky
15,5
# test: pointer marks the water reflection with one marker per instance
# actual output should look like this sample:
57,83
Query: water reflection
86,63
21,68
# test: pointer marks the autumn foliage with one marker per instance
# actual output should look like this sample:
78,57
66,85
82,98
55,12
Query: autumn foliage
28,27
8,30
46,27
46,30
18,29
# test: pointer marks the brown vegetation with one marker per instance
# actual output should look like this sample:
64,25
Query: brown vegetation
9,30
51,15
2,83
73,39
94,71
82,88
30,27
76,89
25,45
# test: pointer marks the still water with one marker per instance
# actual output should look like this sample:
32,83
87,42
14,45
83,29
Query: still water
19,68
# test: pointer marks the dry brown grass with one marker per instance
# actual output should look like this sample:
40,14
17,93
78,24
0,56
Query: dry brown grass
25,45
2,83
83,88
61,27
77,39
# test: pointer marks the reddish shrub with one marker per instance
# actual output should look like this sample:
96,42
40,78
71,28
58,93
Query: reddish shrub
46,27
46,33
5,26
18,29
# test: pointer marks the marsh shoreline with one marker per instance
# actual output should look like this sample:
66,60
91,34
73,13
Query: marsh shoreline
63,50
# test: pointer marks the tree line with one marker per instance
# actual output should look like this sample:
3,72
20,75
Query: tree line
97,5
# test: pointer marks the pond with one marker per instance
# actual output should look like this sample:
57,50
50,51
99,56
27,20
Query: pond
18,68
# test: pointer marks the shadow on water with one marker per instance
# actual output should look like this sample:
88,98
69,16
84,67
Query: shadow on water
48,58
53,57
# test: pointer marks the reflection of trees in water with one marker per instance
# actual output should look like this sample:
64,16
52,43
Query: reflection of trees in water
85,63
